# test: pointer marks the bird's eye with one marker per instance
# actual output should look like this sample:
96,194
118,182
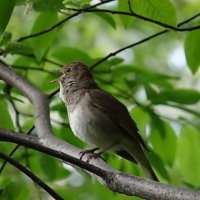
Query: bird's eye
68,70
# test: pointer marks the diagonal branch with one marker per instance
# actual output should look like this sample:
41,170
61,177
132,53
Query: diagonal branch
15,149
138,16
140,42
61,22
49,144
113,180
32,176
39,100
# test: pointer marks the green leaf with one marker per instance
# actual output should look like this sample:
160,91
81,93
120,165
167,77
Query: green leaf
141,118
48,165
66,55
150,91
6,96
19,47
6,11
106,17
157,122
12,191
146,76
5,118
115,61
185,109
158,164
189,154
181,96
42,42
126,20
192,49
48,5
164,147
162,11
62,173
7,36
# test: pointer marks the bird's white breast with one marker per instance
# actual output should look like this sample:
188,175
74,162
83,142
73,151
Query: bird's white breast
92,125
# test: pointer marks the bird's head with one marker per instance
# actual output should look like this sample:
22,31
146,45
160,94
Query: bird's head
74,71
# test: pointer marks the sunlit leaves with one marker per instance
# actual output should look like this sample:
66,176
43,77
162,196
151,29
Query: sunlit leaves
162,11
152,9
192,49
140,77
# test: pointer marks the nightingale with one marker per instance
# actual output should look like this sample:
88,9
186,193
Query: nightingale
99,119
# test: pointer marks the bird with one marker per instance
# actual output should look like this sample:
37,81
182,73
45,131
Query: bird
99,119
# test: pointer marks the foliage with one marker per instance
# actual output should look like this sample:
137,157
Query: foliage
152,79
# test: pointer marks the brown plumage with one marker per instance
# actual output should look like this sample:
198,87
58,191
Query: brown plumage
98,118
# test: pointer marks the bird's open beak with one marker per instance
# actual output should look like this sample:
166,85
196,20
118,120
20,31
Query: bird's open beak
56,80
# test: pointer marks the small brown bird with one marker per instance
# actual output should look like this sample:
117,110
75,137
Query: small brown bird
99,119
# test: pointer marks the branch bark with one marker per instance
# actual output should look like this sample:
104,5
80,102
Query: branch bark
49,144
31,176
138,16
62,21
112,179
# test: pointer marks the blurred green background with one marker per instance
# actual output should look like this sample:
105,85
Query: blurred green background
158,81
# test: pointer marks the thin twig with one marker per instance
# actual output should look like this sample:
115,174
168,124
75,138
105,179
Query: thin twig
28,132
129,5
138,16
15,148
61,22
31,176
141,41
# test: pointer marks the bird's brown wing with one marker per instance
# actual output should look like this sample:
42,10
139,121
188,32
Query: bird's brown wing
117,113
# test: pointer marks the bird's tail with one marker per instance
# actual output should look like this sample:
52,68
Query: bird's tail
136,151
148,170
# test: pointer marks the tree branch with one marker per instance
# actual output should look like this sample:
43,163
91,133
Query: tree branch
49,144
61,22
113,180
138,16
39,100
32,176
15,149
140,42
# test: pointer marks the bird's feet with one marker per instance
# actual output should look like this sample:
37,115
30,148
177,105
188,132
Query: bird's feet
94,155
82,153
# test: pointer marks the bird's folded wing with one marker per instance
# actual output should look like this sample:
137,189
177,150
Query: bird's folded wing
116,111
